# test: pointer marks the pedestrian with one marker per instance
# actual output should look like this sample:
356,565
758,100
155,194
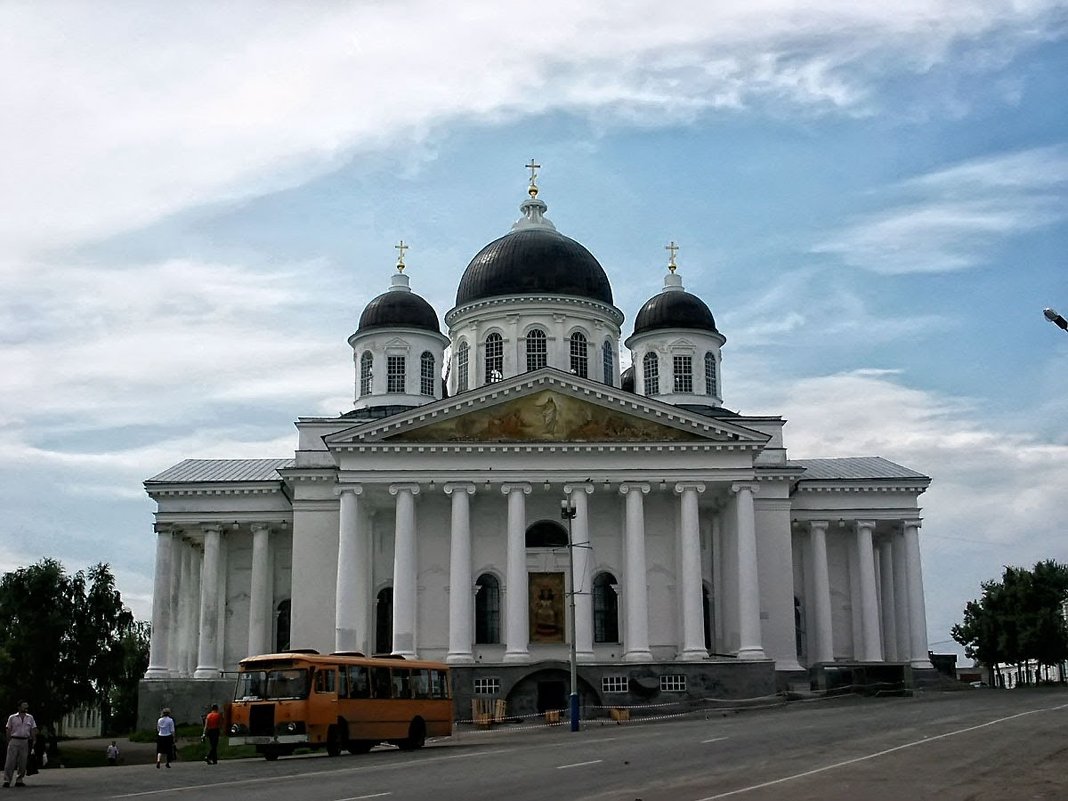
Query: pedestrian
21,731
164,736
212,727
113,754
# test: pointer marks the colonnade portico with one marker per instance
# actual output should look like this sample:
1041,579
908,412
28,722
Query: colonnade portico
884,572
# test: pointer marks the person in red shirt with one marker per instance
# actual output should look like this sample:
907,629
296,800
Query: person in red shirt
212,727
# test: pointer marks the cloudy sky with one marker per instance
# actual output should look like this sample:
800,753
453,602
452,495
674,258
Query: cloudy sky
197,201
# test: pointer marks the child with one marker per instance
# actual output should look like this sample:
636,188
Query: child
113,754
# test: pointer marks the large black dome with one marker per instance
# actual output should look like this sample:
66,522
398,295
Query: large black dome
674,309
399,309
540,261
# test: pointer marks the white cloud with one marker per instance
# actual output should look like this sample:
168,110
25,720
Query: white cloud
956,215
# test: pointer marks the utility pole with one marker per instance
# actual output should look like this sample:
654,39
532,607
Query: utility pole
568,512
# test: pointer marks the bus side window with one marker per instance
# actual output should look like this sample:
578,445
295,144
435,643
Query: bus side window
359,682
380,682
342,682
324,680
421,683
402,683
439,684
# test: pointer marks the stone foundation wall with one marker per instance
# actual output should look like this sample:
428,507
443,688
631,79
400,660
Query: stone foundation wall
189,699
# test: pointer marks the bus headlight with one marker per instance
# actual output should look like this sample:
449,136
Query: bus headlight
237,729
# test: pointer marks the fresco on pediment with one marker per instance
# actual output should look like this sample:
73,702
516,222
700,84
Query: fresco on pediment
546,416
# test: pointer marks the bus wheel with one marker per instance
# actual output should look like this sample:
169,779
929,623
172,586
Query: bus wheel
359,746
333,741
416,735
270,753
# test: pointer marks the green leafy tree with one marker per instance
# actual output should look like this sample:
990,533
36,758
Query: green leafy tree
62,639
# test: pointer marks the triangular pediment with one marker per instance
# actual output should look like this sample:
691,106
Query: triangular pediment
548,406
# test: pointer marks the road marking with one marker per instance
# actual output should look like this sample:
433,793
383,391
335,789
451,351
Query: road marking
579,764
714,740
361,797
876,754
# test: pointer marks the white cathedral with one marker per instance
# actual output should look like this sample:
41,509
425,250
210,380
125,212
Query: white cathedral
427,522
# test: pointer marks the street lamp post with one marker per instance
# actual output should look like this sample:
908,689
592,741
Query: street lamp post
568,512
1056,319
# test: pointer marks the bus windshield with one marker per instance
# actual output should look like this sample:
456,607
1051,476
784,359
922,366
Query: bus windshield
271,685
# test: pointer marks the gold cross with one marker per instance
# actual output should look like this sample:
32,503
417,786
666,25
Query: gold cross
400,259
672,248
533,189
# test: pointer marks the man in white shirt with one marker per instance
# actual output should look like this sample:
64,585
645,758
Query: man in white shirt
21,731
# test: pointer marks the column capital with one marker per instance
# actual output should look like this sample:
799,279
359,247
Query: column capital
260,527
355,489
864,524
578,486
458,486
641,487
396,489
515,486
740,486
913,523
819,525
683,486
212,527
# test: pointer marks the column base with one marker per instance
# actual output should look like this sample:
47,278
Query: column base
156,672
752,653
206,672
460,658
585,656
638,656
693,655
921,664
788,664
517,656
406,654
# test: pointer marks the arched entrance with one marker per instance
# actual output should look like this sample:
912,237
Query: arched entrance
547,689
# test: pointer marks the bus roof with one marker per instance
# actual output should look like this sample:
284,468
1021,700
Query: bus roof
346,658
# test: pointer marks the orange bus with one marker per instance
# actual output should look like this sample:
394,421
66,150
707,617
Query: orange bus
303,698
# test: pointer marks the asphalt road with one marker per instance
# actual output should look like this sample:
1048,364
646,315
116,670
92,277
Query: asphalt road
955,746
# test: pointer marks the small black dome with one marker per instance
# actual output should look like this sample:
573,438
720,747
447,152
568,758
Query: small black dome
676,309
399,309
626,380
538,260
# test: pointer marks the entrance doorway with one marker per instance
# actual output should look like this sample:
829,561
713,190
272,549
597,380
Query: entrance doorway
551,695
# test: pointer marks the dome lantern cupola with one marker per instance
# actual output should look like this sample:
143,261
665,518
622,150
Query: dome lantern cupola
675,347
398,348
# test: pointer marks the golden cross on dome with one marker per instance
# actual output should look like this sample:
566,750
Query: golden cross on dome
533,188
400,246
672,248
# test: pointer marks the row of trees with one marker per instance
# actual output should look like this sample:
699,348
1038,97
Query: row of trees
1018,619
67,641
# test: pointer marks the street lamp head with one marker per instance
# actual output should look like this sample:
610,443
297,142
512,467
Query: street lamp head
1056,319
1050,314
567,509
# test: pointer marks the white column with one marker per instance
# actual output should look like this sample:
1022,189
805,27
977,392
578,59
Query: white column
693,634
174,639
220,594
196,563
461,599
871,645
348,611
207,650
750,643
405,571
158,664
635,587
887,606
821,592
901,597
917,609
259,611
582,553
516,602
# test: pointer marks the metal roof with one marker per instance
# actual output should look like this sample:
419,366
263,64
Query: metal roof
858,468
216,470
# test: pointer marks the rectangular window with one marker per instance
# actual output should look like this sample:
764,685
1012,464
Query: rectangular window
380,682
613,684
402,683
324,680
359,682
579,356
683,371
439,683
673,684
394,374
488,686
537,350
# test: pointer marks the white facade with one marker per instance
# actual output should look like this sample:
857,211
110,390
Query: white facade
697,539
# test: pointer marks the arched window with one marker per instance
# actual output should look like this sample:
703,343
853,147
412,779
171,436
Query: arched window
546,534
608,362
799,629
395,374
706,606
494,358
367,362
651,371
579,355
281,626
605,609
711,385
488,610
682,373
426,374
384,621
537,349
462,353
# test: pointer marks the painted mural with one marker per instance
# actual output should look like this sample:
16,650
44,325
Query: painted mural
546,607
546,416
